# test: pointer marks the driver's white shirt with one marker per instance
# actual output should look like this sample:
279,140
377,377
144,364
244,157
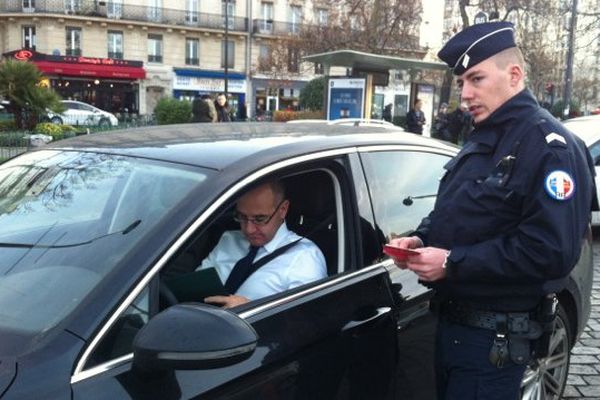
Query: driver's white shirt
302,263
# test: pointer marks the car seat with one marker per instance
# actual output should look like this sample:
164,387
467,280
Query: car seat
312,212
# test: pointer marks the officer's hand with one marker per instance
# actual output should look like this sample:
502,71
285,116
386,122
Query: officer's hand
410,242
429,265
226,301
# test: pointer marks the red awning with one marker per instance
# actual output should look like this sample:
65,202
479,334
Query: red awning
91,70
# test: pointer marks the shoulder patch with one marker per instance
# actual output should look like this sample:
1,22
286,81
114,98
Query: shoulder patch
559,185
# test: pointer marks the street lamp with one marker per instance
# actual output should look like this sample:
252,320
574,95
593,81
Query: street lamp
226,46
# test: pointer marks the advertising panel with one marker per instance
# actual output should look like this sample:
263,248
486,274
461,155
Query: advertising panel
345,98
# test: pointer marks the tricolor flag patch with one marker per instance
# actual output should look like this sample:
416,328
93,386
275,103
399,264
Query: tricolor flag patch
560,185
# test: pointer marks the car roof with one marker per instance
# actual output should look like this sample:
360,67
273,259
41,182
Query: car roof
587,128
215,146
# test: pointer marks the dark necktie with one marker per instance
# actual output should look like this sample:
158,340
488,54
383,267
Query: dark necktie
241,270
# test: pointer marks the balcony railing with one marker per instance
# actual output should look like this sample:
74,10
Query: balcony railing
270,27
113,10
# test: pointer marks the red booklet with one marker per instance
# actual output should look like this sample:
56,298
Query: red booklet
398,253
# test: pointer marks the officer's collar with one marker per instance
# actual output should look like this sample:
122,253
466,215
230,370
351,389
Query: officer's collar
516,108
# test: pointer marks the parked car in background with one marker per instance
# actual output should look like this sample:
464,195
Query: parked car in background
80,113
94,229
588,129
4,114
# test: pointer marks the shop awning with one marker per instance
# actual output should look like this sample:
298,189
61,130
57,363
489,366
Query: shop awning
91,70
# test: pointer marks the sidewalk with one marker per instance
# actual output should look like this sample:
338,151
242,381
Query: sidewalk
584,372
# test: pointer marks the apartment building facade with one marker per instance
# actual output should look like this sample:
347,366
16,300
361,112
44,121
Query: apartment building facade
124,55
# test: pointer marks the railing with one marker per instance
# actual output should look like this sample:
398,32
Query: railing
270,27
115,10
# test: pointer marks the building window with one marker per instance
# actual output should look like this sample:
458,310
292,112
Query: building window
28,37
72,6
73,41
264,57
155,48
28,5
191,52
114,9
227,53
293,60
191,11
266,12
228,8
155,10
295,18
115,44
322,16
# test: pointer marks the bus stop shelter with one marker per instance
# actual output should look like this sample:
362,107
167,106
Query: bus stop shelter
374,67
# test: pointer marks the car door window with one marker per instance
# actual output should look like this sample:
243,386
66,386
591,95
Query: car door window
403,187
117,342
313,214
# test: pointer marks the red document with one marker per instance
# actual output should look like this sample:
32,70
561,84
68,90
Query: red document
398,253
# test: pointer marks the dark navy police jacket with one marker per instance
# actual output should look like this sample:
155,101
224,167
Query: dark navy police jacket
513,208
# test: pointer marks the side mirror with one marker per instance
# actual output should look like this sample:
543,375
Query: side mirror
193,336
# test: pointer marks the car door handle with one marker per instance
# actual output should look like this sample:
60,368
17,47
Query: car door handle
381,311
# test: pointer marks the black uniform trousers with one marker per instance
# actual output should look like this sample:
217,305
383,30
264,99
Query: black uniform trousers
463,368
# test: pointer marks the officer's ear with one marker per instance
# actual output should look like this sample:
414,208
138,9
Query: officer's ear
516,74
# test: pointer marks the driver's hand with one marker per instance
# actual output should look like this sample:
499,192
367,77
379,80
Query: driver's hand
226,301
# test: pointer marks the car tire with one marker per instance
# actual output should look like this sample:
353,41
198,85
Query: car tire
56,120
104,123
546,378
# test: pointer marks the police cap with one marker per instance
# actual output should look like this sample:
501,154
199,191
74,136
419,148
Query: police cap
475,43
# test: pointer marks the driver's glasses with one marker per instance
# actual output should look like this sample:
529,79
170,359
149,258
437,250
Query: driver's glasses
260,220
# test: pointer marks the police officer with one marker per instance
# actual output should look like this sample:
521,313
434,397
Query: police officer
507,227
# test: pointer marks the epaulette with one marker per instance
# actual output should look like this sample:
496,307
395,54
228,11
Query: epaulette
552,136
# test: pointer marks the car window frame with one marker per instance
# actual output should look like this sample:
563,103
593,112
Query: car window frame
80,372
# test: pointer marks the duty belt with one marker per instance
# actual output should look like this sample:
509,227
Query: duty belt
516,322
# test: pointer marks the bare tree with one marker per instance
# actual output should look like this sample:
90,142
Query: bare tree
376,26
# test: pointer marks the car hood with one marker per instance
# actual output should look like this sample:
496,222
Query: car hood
8,371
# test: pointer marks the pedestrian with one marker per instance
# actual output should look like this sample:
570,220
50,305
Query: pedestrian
511,212
460,124
203,109
222,107
440,124
387,113
242,112
415,118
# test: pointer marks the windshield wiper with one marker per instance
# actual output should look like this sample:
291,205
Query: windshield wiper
125,231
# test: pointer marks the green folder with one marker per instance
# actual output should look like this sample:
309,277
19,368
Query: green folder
197,285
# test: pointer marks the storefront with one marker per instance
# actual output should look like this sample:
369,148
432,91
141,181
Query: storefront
109,84
192,82
275,94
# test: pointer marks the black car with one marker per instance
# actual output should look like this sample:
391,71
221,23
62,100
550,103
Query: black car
93,228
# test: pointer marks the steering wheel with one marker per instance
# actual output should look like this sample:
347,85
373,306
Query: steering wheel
166,295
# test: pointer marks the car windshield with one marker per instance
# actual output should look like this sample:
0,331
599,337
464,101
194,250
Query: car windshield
66,220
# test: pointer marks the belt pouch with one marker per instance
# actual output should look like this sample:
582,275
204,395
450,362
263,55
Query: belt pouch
519,349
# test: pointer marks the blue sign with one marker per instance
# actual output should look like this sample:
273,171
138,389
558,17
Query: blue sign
346,98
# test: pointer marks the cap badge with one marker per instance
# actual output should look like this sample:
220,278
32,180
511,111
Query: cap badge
560,185
465,61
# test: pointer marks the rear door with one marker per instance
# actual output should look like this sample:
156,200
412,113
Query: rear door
335,338
401,184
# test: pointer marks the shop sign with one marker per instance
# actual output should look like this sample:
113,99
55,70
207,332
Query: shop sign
208,84
345,98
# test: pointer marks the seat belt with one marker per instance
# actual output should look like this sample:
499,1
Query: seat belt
259,263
